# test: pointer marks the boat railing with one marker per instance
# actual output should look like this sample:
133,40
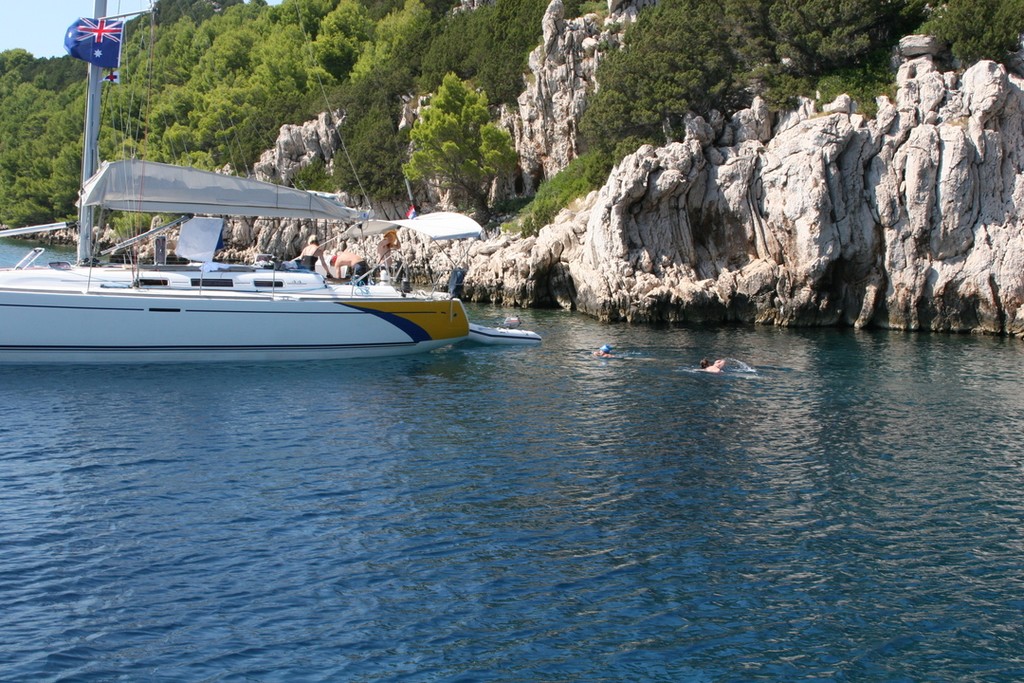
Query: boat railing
396,275
29,258
450,284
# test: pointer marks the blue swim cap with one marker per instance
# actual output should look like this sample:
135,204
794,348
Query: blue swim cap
606,348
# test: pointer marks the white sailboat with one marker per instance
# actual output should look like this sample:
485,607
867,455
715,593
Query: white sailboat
203,312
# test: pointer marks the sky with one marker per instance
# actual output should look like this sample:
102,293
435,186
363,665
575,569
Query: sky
39,26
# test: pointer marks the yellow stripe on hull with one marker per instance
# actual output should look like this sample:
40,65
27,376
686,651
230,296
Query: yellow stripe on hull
422,320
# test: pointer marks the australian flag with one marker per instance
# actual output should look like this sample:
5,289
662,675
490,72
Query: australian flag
97,41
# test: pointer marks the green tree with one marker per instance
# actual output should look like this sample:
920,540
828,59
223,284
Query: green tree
979,29
372,100
676,60
344,33
456,146
489,46
37,127
451,49
171,11
697,55
228,60
177,51
371,162
501,57
819,35
398,41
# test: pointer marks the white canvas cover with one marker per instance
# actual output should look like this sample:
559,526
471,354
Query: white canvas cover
440,226
149,187
198,239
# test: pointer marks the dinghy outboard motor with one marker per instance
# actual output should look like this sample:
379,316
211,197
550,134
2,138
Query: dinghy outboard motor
456,283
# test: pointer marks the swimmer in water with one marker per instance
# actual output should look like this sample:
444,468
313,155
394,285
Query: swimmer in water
604,352
708,366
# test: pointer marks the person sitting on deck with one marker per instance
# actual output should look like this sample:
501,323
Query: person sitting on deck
311,254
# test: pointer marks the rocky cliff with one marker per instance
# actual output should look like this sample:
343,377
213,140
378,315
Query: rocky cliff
908,220
298,146
562,75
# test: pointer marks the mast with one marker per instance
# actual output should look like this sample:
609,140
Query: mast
90,151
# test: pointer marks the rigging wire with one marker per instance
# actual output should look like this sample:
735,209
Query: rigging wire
232,144
118,109
150,48
327,104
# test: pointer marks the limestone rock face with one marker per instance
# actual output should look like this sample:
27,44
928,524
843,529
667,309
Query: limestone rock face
299,146
561,79
920,46
907,221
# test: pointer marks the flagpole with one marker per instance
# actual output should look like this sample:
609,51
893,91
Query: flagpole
90,151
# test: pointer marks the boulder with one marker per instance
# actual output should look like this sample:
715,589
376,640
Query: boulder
920,46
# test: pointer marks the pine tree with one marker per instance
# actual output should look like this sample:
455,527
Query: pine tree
457,147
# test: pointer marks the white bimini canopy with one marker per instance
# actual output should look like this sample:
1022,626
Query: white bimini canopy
440,226
149,187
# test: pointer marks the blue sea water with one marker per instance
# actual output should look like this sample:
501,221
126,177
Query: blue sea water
838,505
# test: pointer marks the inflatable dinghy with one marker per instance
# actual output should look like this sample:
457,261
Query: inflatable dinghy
501,335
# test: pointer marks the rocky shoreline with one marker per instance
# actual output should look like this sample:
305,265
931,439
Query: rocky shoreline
906,221
909,220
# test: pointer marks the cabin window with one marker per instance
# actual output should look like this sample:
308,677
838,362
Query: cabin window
152,282
212,282
268,283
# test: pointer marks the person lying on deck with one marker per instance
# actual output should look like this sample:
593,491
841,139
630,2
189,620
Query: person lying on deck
345,265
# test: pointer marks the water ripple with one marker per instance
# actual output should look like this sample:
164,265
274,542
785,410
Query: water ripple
524,514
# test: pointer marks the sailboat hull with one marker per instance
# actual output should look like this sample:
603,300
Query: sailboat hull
142,326
203,311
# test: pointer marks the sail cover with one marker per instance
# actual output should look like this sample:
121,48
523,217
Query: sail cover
149,187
